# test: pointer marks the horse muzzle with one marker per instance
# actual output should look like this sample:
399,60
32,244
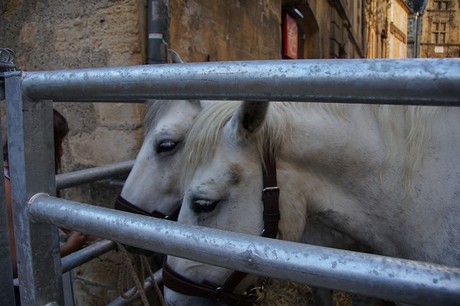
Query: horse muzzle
126,206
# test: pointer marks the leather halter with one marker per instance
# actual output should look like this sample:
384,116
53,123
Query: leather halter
124,205
224,293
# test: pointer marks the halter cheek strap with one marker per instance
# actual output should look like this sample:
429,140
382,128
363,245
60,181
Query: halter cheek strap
270,197
271,217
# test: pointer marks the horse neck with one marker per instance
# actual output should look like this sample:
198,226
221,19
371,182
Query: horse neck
350,171
320,147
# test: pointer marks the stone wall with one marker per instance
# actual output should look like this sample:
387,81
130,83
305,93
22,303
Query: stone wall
54,34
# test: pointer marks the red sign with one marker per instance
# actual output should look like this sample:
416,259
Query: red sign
290,37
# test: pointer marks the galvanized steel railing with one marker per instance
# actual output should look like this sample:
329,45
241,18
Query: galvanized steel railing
371,275
422,82
379,81
69,179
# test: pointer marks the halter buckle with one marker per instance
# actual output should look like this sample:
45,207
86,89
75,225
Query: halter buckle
271,189
256,294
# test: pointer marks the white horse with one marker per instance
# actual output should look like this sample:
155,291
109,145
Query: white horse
385,177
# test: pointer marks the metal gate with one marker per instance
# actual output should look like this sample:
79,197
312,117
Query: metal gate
29,96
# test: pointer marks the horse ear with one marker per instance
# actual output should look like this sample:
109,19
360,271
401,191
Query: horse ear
175,57
249,117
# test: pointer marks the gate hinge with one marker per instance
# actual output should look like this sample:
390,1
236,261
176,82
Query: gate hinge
6,66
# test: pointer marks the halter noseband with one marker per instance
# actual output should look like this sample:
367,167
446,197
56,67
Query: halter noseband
224,293
124,205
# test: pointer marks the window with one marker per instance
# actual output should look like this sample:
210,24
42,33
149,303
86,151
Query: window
441,4
439,32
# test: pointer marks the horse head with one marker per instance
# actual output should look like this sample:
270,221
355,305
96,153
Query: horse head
151,188
222,181
152,183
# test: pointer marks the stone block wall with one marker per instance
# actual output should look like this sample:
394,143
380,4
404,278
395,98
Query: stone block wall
55,34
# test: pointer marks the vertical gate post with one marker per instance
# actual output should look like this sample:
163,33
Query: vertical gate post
31,160
6,273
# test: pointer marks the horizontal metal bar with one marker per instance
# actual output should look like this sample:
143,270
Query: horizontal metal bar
69,179
377,81
382,277
148,284
84,255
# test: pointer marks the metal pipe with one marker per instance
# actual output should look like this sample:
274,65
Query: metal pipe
157,31
371,275
86,254
69,179
157,277
378,81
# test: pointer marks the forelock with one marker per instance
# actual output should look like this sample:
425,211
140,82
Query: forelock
202,138
154,110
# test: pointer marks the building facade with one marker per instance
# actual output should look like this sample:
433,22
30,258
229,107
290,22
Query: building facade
440,29
376,28
324,29
398,19
207,30
386,24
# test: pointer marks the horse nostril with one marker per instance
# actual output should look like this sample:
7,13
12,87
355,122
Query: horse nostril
203,205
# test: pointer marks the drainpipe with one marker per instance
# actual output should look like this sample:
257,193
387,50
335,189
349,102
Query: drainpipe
157,31
418,31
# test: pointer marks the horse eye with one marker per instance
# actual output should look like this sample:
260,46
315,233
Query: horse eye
166,146
203,205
